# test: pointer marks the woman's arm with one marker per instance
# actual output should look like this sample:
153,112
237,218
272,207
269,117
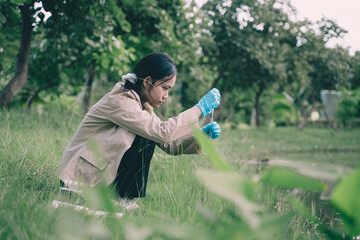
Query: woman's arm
185,145
126,112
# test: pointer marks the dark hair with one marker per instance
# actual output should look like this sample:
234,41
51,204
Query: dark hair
159,66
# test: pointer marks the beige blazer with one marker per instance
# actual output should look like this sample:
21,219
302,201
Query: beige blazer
108,130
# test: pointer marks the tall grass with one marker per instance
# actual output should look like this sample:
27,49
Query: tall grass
176,205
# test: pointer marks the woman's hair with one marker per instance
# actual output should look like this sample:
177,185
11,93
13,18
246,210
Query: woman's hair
158,66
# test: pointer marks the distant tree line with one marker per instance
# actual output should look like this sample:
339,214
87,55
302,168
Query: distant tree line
269,66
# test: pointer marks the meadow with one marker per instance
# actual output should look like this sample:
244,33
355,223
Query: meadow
177,205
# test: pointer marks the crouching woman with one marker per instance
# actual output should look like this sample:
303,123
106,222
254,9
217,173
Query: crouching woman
115,141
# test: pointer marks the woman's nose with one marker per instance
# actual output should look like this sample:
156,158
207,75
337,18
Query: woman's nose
166,95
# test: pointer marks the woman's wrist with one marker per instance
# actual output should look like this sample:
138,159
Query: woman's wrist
197,110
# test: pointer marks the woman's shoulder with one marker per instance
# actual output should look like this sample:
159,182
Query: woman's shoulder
120,92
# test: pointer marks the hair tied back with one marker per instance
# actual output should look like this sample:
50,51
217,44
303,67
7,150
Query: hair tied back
131,77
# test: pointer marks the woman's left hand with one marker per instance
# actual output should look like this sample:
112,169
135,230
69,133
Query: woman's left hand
212,129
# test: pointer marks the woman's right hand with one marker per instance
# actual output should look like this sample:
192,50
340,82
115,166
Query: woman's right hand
210,101
212,130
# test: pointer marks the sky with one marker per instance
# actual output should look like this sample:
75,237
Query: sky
346,13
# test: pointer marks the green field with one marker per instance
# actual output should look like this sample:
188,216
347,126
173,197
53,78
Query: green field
177,205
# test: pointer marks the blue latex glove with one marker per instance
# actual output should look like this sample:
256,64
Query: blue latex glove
212,129
210,101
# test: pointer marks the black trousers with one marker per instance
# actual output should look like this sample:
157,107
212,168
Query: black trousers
133,171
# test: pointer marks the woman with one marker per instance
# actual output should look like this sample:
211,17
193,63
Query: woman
115,141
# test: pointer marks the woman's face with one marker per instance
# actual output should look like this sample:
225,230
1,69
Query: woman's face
156,94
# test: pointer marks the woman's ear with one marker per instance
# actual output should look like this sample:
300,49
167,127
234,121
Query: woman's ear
147,82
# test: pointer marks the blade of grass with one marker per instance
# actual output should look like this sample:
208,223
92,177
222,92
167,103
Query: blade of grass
208,147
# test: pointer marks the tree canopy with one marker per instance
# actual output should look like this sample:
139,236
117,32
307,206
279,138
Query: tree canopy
253,51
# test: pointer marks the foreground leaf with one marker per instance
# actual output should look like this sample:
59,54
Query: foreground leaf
209,149
235,188
289,179
98,198
170,229
346,199
269,228
326,172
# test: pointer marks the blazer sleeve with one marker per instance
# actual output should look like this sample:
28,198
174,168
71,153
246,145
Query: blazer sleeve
127,112
185,145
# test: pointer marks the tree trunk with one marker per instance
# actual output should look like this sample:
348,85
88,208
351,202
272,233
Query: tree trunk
220,76
257,105
301,107
35,94
22,59
253,117
305,118
88,84
298,108
268,116
308,113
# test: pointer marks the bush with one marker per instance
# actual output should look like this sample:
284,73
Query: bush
348,108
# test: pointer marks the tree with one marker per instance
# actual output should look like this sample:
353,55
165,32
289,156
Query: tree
85,41
27,11
110,36
247,38
166,26
9,39
329,68
355,65
44,69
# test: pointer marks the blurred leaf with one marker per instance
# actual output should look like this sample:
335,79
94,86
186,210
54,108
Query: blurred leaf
120,16
97,151
289,179
279,97
206,213
329,172
269,228
271,224
92,43
105,61
73,227
346,199
139,233
209,149
20,1
235,188
98,198
280,106
2,18
174,230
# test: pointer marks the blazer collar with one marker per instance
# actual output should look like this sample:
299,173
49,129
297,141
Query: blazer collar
146,106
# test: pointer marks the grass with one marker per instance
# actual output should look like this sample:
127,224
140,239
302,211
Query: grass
176,205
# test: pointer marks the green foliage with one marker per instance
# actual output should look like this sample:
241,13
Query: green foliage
348,108
355,65
61,103
21,1
289,179
345,198
208,147
184,197
9,22
235,188
238,46
263,50
241,191
280,109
